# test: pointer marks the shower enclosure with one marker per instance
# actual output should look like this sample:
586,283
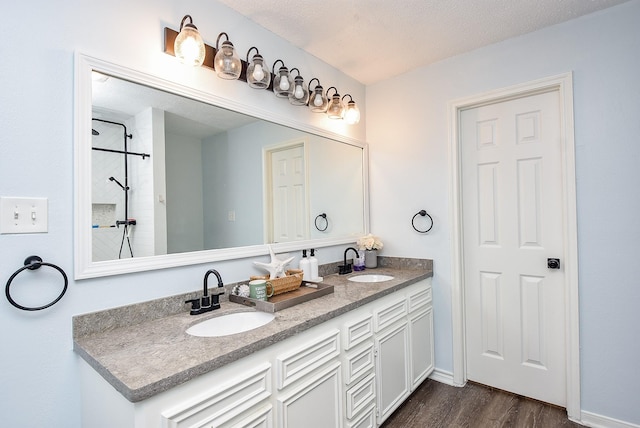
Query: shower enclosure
113,223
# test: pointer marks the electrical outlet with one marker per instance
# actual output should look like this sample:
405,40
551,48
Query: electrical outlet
23,215
232,215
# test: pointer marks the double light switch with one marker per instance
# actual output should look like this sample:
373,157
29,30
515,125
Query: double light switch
23,215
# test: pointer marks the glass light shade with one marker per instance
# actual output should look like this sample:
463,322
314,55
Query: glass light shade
258,76
189,46
282,83
335,109
227,62
318,103
299,94
352,113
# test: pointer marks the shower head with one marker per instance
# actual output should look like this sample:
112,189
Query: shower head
94,132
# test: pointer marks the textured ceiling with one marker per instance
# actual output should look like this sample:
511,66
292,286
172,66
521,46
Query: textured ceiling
372,40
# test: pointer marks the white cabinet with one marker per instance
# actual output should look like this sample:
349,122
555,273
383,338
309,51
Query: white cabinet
351,371
313,403
392,368
421,345
219,406
310,383
403,348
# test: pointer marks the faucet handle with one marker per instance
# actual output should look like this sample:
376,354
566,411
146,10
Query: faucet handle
195,303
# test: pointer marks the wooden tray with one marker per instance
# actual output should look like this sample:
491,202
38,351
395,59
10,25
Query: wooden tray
286,300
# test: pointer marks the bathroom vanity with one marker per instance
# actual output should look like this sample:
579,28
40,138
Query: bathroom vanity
347,359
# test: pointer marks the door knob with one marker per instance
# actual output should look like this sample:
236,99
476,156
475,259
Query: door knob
553,263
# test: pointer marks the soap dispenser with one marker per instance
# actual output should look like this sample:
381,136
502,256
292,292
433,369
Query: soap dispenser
313,265
305,266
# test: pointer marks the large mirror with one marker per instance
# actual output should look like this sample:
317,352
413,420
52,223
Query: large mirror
168,176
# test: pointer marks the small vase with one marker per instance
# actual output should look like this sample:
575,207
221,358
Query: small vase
370,259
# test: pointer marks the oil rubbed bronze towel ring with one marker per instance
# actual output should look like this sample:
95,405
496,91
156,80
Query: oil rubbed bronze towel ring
33,263
326,222
422,213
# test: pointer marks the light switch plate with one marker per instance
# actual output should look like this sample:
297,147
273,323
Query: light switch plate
23,215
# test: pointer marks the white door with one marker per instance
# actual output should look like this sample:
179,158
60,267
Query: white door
288,200
512,223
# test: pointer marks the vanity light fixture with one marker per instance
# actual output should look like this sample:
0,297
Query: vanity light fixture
227,63
189,46
258,75
282,83
351,111
300,94
335,109
318,102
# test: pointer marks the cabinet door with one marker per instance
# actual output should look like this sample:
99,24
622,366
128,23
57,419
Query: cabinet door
392,369
421,333
314,402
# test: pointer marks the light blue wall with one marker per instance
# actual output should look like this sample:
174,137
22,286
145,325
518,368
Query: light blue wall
39,383
409,172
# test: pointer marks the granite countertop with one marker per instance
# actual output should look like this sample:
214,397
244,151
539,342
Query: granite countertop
150,354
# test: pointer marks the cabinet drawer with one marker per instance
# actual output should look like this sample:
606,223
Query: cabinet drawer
307,358
420,299
387,315
359,362
224,403
366,420
358,332
261,417
361,395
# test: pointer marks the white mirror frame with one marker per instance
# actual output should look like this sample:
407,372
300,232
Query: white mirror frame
84,266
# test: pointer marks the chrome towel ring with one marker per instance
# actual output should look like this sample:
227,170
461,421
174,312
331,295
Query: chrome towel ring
33,263
422,213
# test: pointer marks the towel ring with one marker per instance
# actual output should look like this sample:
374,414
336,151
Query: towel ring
33,263
326,222
421,213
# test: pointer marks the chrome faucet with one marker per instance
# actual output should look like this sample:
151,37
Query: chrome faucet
207,303
346,268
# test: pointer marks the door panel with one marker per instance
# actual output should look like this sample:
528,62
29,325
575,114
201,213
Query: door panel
512,207
288,194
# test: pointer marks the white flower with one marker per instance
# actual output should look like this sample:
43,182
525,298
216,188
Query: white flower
369,242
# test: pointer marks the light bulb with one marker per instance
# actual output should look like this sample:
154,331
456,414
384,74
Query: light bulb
190,50
299,92
228,64
317,101
258,73
284,83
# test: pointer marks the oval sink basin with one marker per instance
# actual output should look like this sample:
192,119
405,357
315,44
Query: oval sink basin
370,278
230,324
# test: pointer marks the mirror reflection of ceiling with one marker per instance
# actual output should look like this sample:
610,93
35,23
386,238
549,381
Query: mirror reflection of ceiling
186,116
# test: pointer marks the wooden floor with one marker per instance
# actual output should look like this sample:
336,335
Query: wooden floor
436,404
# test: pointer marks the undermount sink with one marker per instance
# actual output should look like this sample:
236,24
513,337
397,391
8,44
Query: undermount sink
370,278
230,324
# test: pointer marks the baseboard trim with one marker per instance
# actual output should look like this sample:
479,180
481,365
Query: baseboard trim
598,421
442,377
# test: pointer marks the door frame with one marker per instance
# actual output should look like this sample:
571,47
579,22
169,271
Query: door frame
563,85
